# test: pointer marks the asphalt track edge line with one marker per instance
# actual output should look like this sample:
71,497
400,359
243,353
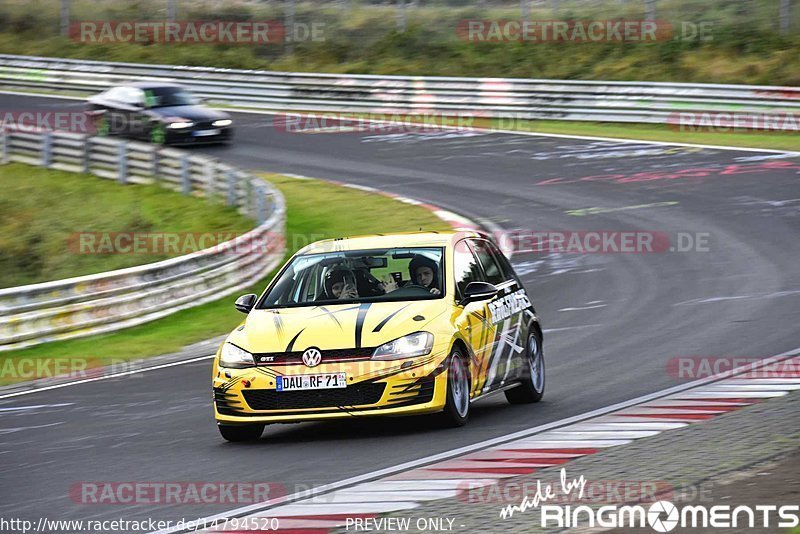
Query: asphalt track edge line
484,130
518,132
366,477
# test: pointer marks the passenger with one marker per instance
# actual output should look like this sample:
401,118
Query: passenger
337,285
425,272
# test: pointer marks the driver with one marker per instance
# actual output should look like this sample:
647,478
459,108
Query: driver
340,284
424,272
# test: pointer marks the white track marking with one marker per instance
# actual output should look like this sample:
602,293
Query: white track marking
482,130
115,375
531,438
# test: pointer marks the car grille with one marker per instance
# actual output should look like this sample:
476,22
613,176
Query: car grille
328,356
404,396
227,403
355,395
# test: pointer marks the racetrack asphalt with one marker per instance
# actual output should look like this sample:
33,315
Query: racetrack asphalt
613,321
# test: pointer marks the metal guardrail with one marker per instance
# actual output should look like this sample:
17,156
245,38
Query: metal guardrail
637,102
104,302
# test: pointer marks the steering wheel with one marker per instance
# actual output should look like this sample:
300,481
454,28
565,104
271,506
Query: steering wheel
417,286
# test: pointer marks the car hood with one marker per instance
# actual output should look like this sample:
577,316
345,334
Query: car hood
194,113
338,326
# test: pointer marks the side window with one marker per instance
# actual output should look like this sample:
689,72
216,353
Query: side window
505,265
494,274
465,267
133,96
115,94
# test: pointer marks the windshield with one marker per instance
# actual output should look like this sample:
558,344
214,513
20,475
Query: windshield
358,276
161,97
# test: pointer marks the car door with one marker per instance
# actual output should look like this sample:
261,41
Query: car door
134,113
472,320
108,113
506,311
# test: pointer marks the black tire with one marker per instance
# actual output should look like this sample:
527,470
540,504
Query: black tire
241,432
456,408
532,387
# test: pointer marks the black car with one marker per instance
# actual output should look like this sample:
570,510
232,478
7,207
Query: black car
161,113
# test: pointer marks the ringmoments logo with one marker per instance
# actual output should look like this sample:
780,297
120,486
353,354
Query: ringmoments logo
660,516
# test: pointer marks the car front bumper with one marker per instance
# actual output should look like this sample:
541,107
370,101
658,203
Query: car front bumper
190,136
419,389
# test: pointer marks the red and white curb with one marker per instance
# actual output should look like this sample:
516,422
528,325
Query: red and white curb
446,475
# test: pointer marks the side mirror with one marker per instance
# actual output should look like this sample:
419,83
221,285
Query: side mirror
245,303
476,291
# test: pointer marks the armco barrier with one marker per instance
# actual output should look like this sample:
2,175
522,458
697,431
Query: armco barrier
109,301
639,102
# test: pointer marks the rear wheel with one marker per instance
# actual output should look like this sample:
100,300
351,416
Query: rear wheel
456,408
532,387
241,432
102,126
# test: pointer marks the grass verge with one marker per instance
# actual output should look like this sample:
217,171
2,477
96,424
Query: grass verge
42,213
315,210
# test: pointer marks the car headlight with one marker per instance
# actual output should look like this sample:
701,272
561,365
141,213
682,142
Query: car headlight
222,122
233,356
417,344
180,124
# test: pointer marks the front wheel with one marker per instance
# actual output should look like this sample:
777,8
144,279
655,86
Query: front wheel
158,135
241,432
532,387
456,408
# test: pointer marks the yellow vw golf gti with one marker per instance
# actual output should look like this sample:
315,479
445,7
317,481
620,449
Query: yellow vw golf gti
388,325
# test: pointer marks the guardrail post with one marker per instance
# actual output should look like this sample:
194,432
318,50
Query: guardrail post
65,18
156,168
86,158
231,188
650,9
261,204
400,17
211,178
785,16
47,149
186,178
122,162
6,147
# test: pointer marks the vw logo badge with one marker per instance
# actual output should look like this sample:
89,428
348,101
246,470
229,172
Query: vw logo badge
312,357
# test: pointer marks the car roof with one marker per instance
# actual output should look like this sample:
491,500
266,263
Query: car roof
381,241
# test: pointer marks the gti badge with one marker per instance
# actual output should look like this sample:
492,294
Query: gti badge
312,357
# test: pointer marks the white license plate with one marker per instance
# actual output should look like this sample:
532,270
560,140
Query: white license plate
321,381
202,133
